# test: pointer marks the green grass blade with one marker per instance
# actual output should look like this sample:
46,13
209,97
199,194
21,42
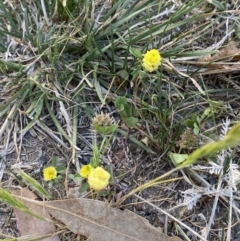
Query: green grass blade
8,16
232,139
59,127
34,184
37,109
14,202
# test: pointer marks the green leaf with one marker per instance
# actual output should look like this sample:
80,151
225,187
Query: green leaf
196,128
84,187
120,102
136,53
217,4
123,107
59,177
37,109
75,177
131,121
177,158
237,29
2,48
95,159
104,130
71,176
123,74
55,160
193,122
61,169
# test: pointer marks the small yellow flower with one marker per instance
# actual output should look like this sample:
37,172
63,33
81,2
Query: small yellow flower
49,173
152,60
85,170
98,179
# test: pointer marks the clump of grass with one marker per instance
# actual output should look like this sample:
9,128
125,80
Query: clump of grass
65,61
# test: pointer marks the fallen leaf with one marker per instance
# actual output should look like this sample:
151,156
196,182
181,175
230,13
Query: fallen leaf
205,58
175,238
100,222
227,54
145,140
28,225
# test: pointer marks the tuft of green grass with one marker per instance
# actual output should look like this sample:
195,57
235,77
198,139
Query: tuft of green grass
86,48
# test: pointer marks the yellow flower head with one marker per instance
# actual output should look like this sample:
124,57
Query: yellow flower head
85,170
98,179
152,60
49,173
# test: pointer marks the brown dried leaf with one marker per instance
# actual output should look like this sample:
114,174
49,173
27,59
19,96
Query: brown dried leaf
176,239
205,59
227,52
29,225
100,222
219,65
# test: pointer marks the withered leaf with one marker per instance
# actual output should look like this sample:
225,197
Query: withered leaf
98,221
29,225
229,54
205,58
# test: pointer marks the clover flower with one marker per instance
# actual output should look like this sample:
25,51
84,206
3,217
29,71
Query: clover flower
86,170
98,179
102,119
103,124
152,60
188,140
49,173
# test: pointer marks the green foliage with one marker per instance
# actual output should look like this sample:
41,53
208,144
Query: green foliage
14,202
104,130
84,187
177,159
213,110
34,110
136,52
230,140
72,52
65,8
55,161
193,123
95,162
125,111
34,184
75,177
